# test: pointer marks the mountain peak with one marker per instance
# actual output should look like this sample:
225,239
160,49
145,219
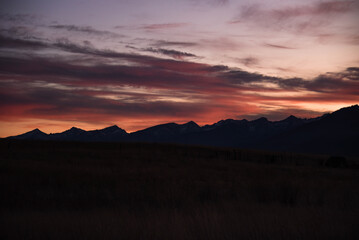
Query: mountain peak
75,129
221,122
113,127
36,134
291,118
191,123
291,121
189,127
36,130
260,120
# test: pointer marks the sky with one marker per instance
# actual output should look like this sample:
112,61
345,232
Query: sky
139,63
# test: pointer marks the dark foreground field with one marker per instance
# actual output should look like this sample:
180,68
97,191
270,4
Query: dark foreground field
51,190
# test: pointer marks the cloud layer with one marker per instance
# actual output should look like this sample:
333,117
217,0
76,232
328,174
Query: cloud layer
117,86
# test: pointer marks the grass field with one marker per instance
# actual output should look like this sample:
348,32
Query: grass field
54,190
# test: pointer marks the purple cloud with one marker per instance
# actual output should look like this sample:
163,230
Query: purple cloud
304,18
162,26
86,29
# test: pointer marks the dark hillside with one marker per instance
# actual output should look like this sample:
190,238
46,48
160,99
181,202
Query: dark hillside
335,133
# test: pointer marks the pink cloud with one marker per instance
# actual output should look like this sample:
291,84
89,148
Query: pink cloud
150,89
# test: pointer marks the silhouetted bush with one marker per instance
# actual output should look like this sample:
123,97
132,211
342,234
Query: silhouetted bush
336,162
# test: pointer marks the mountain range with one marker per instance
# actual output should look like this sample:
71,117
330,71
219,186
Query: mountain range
334,133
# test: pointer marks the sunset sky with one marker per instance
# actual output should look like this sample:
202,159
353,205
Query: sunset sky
138,63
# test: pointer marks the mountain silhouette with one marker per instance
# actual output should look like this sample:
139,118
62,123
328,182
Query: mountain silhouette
35,134
113,133
334,133
168,132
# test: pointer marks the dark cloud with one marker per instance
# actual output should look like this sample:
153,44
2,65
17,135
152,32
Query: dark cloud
161,74
17,43
249,61
86,29
352,73
18,18
161,26
292,83
162,43
87,48
41,101
239,77
346,82
217,68
277,46
170,52
18,32
66,45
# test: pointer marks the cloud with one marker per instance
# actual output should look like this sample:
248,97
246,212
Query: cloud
277,46
286,13
217,68
173,53
234,22
238,77
162,26
168,52
18,31
86,29
248,61
42,100
119,85
221,44
153,66
215,3
346,82
162,43
299,19
19,18
17,43
53,103
218,2
158,68
319,8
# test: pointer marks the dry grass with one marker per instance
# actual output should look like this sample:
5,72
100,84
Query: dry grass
55,190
